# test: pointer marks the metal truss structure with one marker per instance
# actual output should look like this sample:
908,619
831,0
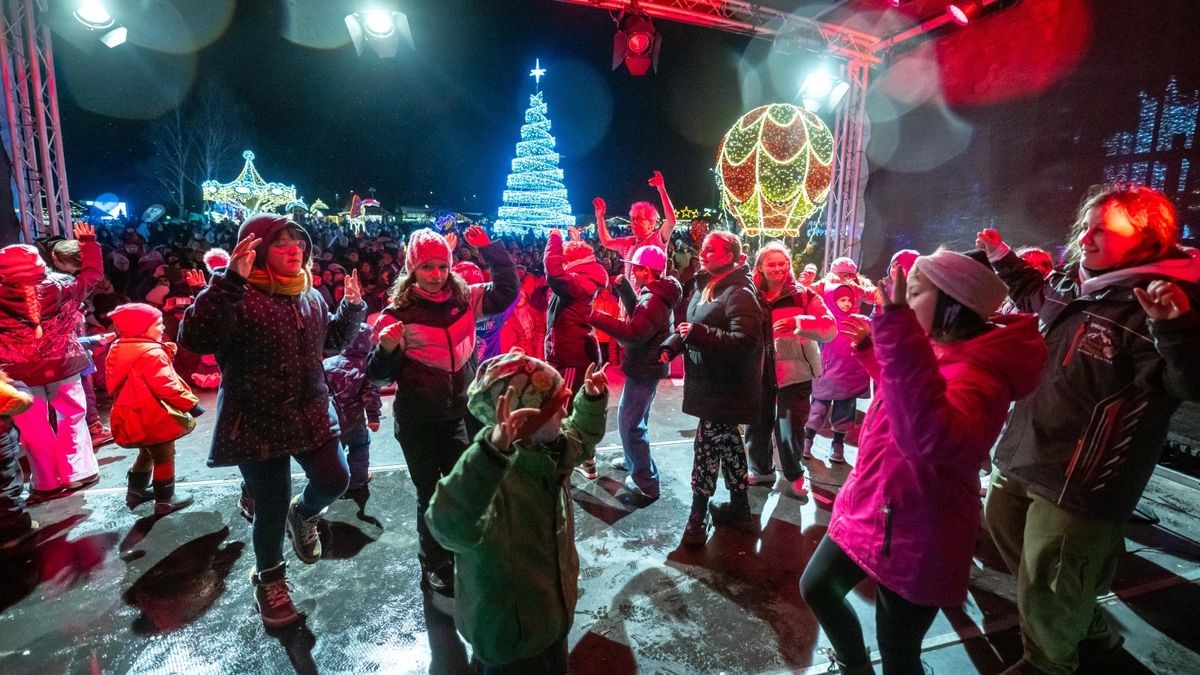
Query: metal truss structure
31,104
859,52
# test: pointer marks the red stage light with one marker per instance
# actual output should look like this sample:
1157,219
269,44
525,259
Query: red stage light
963,12
639,43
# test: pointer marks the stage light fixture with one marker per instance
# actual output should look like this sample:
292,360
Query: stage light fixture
115,37
93,15
962,13
636,44
380,30
822,91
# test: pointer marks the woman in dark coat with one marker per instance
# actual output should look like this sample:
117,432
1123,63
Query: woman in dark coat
723,342
267,327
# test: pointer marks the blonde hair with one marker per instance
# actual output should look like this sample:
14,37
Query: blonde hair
1148,210
400,294
643,206
775,246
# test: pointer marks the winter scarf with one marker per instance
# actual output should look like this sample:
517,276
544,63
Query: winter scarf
272,284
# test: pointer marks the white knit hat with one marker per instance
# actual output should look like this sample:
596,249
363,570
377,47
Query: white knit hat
967,280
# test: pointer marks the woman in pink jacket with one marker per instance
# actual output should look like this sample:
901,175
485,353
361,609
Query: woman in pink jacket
908,514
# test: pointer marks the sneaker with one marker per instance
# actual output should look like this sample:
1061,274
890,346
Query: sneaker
800,489
101,435
16,541
246,504
588,469
303,532
761,479
273,597
82,483
633,489
441,579
619,464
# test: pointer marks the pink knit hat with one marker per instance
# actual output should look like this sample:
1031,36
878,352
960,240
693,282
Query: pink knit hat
425,245
21,264
576,253
843,265
133,319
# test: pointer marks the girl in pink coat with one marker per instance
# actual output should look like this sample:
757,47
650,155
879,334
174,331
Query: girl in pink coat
908,514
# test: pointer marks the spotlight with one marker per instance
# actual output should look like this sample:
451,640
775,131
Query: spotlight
381,30
822,92
636,43
962,13
93,15
115,37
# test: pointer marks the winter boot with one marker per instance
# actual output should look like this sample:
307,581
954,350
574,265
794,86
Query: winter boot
166,500
440,578
303,532
809,436
273,598
734,513
695,534
839,448
138,492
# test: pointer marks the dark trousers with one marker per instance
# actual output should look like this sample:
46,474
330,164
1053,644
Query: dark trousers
552,661
14,517
270,484
841,414
900,625
356,441
719,449
785,412
431,449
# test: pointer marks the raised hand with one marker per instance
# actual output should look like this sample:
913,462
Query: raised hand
594,380
476,237
508,421
600,206
352,291
451,239
83,230
1163,300
656,181
241,259
392,337
554,233
856,328
194,279
989,241
899,290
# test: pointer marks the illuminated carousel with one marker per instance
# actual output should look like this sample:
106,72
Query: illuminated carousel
247,194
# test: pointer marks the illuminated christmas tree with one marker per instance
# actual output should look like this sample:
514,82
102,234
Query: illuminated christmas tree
536,199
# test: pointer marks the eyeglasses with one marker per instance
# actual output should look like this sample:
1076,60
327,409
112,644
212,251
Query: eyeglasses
285,244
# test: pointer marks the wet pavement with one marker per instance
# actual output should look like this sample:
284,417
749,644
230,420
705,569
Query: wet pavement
108,591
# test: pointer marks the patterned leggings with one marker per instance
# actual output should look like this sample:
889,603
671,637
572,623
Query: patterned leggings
718,447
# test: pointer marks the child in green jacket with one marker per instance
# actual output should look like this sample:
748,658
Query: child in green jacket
505,512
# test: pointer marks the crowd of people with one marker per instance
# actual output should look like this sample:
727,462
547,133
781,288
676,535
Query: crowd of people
1063,377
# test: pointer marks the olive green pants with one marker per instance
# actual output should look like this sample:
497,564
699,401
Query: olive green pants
1062,561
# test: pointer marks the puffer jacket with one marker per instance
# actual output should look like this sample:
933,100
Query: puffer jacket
508,519
273,400
842,376
354,396
908,514
723,353
433,370
139,374
570,340
792,358
1089,438
56,355
649,323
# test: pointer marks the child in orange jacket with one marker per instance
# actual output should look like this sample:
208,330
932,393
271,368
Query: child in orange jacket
152,406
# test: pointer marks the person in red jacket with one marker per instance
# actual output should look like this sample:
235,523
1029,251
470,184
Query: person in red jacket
908,514
143,383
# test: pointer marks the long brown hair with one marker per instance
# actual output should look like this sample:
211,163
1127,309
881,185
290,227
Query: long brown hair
400,295
1148,210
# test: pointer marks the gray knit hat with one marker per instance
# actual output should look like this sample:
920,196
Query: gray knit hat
965,279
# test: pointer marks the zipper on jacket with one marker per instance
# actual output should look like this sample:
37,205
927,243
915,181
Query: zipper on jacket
1074,344
887,528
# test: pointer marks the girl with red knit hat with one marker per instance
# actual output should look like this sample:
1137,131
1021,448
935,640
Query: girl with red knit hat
152,406
426,344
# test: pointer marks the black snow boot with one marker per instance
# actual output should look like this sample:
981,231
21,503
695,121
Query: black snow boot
138,492
735,513
166,500
695,534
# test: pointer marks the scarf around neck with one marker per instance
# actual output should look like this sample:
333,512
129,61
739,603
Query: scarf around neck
269,283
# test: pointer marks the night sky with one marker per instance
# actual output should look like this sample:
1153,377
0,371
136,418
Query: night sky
1001,126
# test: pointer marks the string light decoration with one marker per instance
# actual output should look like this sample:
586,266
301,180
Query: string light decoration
248,193
774,168
536,199
686,213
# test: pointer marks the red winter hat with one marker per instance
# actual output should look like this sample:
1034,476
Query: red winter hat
133,319
425,245
576,253
21,264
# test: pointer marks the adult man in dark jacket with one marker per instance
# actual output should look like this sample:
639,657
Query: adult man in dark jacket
649,323
723,380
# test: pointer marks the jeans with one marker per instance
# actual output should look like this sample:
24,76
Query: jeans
270,484
633,415
14,517
842,413
431,449
356,440
62,456
786,418
1062,562
900,625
